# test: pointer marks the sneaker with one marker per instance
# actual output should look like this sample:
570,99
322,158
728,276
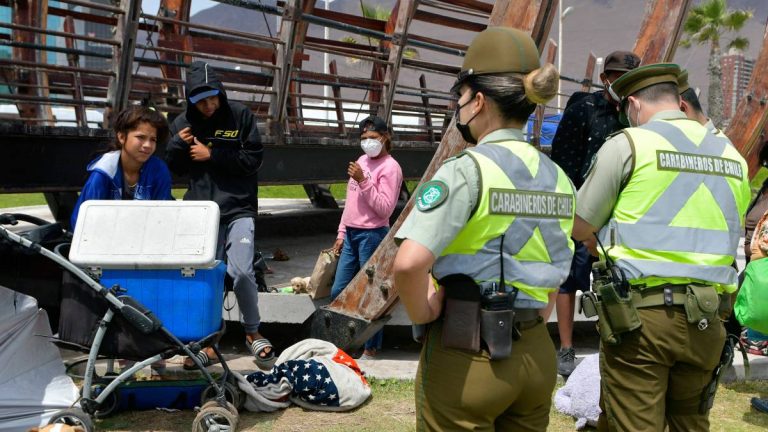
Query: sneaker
566,361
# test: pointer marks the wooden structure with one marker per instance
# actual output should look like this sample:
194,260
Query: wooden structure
748,126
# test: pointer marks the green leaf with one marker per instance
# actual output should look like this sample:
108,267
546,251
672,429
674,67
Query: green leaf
740,43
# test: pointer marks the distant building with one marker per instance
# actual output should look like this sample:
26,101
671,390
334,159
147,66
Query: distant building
736,73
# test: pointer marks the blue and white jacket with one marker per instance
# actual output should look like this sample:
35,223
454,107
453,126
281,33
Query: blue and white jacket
106,181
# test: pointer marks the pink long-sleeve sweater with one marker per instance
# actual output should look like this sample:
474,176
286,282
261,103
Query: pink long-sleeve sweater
371,202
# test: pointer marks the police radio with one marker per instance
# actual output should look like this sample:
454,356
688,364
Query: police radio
610,273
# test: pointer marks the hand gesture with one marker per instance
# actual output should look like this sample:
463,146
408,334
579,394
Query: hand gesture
355,171
199,152
337,246
186,135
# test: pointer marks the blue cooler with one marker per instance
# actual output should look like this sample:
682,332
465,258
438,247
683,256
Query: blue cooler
162,253
189,306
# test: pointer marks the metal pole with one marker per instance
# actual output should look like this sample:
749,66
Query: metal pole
559,50
326,35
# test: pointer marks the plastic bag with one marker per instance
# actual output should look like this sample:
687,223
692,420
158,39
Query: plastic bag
751,307
322,276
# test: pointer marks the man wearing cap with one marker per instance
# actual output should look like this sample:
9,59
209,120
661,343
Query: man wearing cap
494,227
690,104
372,193
588,119
217,144
667,199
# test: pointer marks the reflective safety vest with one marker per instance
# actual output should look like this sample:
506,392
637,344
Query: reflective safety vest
525,202
679,217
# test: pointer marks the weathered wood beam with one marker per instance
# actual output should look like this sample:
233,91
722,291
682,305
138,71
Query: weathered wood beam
31,13
538,114
194,44
397,26
122,58
348,320
660,32
751,118
533,16
444,43
426,105
470,4
590,72
368,23
177,10
337,99
74,61
447,21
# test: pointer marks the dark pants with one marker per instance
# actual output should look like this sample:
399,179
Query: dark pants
461,390
657,373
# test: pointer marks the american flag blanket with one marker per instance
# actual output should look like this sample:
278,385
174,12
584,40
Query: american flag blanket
313,374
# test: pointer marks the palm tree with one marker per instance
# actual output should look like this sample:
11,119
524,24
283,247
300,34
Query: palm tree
706,23
380,13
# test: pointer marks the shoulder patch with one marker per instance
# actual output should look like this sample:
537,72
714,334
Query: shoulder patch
431,195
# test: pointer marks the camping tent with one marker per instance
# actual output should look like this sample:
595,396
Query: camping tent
33,382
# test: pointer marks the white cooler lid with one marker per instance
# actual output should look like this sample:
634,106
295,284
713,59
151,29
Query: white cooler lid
145,234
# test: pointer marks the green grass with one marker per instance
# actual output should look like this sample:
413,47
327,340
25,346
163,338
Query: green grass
392,409
21,200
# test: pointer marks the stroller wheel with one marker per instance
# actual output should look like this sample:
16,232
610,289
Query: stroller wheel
213,403
215,419
73,417
232,394
110,404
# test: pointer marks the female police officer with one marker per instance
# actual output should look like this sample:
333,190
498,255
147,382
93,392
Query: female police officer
500,208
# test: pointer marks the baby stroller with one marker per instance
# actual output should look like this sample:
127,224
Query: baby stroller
106,323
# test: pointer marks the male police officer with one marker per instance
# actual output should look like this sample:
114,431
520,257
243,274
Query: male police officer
690,105
668,199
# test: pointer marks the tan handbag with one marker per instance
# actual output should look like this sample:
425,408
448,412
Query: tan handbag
322,276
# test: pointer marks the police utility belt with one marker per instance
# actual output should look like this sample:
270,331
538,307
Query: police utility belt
474,315
615,302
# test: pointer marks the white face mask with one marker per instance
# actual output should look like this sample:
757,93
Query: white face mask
371,147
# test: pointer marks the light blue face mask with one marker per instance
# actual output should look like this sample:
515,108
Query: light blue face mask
371,147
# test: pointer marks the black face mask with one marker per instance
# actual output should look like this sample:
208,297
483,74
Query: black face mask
464,128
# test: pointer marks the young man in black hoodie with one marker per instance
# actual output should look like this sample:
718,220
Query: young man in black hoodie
216,143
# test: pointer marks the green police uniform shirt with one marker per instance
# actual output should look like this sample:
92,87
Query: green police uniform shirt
613,164
435,226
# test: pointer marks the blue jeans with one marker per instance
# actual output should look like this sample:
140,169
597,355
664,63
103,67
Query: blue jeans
359,245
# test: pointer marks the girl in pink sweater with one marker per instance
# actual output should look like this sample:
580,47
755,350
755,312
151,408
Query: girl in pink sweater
372,192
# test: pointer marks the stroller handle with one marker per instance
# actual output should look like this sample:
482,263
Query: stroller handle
60,260
14,218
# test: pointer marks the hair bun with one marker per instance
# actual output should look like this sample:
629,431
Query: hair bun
541,84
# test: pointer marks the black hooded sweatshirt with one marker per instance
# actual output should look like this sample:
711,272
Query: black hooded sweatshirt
230,177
